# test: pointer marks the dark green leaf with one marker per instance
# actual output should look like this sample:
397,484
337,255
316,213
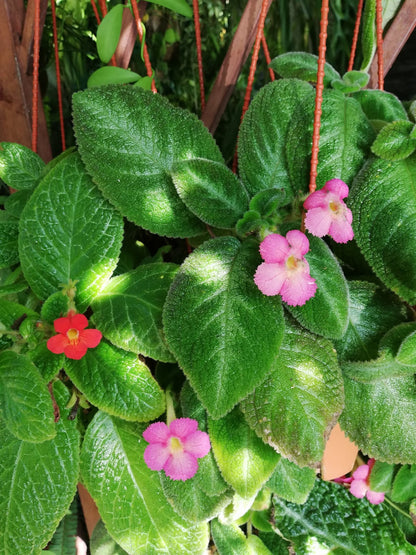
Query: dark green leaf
48,364
64,538
20,167
404,485
68,231
111,75
250,222
108,33
394,141
268,201
290,482
15,203
9,230
55,306
302,65
380,105
407,351
224,333
101,543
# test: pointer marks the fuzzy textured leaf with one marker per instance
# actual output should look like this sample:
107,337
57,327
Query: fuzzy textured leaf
129,140
296,406
20,167
404,485
69,231
9,230
290,482
110,75
394,141
224,333
229,539
117,382
380,105
302,65
129,495
65,536
101,543
128,311
383,201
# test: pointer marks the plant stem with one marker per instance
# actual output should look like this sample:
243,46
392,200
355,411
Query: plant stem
398,508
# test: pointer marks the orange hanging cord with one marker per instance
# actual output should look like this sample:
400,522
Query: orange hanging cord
379,31
355,35
140,33
95,10
58,74
267,56
318,96
199,53
35,82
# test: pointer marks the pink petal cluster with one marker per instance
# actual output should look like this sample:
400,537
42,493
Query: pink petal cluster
175,448
73,339
327,213
285,271
359,484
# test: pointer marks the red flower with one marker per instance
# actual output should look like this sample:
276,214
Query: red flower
73,339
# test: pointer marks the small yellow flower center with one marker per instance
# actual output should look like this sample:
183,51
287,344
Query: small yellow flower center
72,334
175,445
334,206
292,263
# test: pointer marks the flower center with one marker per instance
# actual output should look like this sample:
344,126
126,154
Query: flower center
334,206
72,334
292,263
175,445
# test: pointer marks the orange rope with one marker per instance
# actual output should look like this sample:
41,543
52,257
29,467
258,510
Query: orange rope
267,56
355,35
95,10
58,74
140,33
199,53
103,7
379,29
318,97
35,82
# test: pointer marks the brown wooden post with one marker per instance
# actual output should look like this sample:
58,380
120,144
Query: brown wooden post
16,43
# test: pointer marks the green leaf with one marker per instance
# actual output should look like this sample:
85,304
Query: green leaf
404,485
380,105
178,6
352,81
129,495
68,231
111,74
327,312
315,527
229,539
263,162
290,482
297,405
302,65
38,483
15,203
9,230
144,83
383,202
20,167
117,382
238,511
224,333
132,138
268,201
108,33
256,546
394,142
25,402
101,543
250,222
128,311
372,312
55,306
12,313
64,538
407,351
246,463
369,421
48,364
381,476
211,191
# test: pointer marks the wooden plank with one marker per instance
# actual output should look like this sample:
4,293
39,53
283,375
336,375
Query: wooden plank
396,37
127,39
234,60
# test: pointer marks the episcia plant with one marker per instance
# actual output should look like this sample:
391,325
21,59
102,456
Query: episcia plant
182,340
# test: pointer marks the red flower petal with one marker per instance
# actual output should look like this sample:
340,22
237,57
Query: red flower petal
90,337
79,322
75,351
57,343
62,325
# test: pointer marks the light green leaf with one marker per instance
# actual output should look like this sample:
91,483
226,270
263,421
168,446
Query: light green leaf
404,485
256,546
380,105
9,230
48,364
128,311
297,405
20,167
237,511
111,75
129,495
302,65
381,476
129,140
101,543
68,231
229,539
315,527
25,402
407,351
108,33
211,191
117,382
262,159
290,482
245,461
394,142
326,313
383,202
178,6
38,483
224,333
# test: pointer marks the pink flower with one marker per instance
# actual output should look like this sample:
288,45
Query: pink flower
360,484
285,271
175,448
327,213
73,339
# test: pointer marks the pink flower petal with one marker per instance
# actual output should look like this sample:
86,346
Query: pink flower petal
359,488
317,199
57,344
318,221
375,497
90,337
341,231
62,325
362,472
75,351
78,321
157,432
274,248
181,466
298,241
197,444
183,427
298,289
337,186
269,278
156,455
